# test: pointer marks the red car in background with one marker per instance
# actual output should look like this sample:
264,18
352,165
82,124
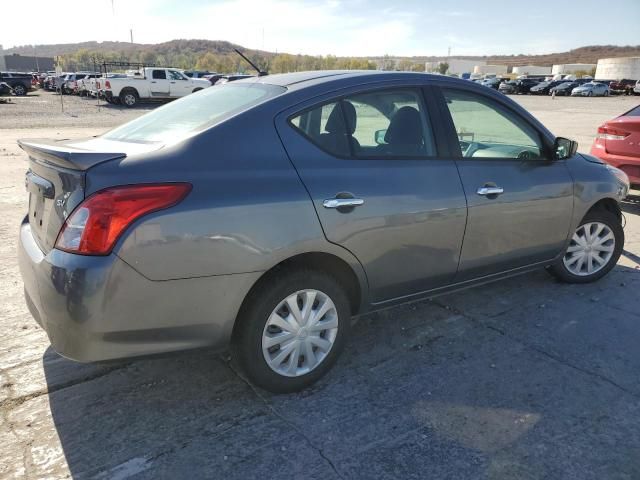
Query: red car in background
618,143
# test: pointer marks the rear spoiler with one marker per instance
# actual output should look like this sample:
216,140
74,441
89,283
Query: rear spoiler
61,155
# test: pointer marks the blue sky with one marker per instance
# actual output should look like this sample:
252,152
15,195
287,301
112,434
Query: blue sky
341,27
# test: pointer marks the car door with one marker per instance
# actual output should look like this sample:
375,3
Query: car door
159,83
381,187
520,202
179,85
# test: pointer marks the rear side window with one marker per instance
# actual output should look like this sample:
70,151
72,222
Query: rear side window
179,119
381,124
325,127
159,75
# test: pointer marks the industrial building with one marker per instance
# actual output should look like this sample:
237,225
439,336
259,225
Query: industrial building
569,68
20,63
490,69
457,66
618,68
531,70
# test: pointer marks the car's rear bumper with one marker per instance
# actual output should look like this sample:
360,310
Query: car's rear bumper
100,308
629,165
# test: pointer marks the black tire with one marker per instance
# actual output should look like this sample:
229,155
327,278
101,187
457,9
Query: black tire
19,90
129,98
196,90
115,100
611,220
247,340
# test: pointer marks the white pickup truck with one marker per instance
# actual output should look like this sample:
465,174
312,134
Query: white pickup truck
151,83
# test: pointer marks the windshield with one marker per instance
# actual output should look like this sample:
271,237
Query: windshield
194,113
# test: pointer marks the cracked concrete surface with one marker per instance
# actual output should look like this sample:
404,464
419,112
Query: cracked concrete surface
523,379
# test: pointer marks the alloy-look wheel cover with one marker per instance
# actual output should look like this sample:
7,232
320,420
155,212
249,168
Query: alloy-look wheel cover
300,333
590,249
129,99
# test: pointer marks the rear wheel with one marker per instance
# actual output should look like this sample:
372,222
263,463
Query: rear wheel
129,98
593,250
291,332
19,90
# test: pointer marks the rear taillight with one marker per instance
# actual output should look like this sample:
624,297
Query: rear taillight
107,84
609,133
96,224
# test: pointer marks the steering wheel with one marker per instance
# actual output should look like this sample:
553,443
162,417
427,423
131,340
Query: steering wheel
526,155
468,148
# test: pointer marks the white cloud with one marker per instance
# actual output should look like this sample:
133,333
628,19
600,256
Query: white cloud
283,25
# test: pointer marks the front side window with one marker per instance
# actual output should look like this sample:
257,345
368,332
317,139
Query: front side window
380,124
486,130
176,75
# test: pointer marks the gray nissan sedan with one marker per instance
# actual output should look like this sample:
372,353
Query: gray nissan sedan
265,214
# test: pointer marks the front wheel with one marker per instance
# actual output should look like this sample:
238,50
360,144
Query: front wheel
593,250
292,330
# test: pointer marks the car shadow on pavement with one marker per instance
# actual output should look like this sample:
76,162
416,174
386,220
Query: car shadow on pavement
525,378
631,204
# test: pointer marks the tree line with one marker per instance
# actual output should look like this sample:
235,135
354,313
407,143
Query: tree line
85,59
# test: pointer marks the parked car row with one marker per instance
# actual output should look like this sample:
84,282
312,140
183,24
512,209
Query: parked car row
581,87
142,84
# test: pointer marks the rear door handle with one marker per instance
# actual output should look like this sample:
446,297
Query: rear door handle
342,202
490,191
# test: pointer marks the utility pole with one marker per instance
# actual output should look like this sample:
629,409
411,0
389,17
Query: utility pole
131,34
35,54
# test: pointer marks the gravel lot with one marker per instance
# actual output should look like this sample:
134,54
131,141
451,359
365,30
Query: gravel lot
522,379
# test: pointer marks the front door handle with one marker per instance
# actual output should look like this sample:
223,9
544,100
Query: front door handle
486,191
342,202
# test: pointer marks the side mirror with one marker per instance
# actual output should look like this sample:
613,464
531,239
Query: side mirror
564,148
379,136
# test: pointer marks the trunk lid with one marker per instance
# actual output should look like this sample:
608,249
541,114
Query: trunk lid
55,182
628,146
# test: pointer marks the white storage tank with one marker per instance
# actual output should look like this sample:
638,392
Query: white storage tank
568,68
531,70
618,68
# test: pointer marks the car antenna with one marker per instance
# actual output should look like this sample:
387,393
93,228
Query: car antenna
261,73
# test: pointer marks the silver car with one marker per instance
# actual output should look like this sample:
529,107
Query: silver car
591,89
264,214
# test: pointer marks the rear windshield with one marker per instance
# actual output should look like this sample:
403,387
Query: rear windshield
194,113
634,112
